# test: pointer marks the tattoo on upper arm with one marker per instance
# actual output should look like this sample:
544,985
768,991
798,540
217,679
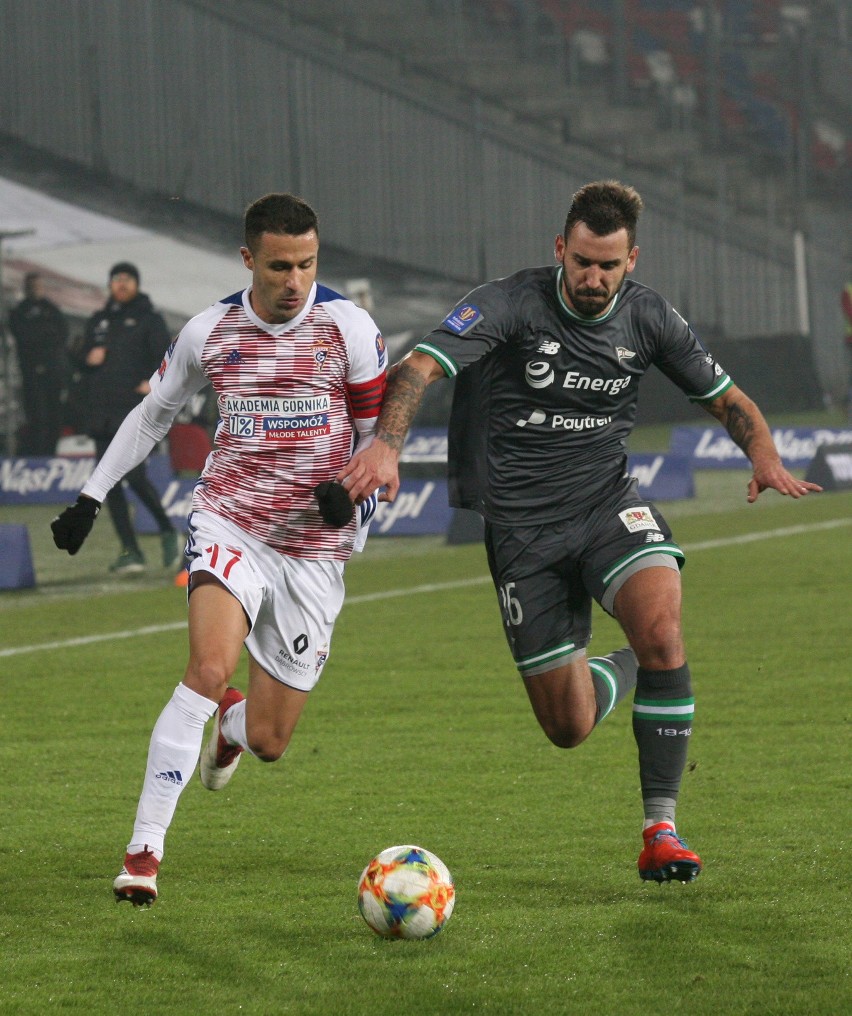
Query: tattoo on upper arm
402,399
739,425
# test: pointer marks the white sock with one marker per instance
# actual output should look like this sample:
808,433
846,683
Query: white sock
172,757
233,726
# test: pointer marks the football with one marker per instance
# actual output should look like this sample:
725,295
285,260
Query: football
406,892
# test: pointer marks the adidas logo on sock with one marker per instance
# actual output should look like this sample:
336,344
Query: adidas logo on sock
171,777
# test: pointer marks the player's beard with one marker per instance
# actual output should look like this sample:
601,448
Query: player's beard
592,302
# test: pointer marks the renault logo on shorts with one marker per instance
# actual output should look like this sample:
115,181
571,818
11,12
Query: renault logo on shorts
539,374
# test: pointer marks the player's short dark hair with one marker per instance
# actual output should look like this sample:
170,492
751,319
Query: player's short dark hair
605,206
279,213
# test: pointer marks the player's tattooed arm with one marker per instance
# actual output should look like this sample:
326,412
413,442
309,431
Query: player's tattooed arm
405,390
734,415
377,464
747,426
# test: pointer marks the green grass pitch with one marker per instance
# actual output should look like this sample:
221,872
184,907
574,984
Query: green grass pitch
420,732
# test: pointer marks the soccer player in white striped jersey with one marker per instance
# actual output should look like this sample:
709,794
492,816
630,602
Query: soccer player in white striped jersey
299,375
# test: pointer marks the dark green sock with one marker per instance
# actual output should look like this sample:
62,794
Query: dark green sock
613,677
663,709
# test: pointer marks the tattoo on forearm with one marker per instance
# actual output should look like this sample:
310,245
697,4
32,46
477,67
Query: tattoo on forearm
739,425
402,399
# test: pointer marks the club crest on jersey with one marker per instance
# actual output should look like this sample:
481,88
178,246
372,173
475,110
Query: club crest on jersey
624,354
463,318
380,349
320,348
637,519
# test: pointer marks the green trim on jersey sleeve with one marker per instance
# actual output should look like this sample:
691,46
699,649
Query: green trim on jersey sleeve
723,384
671,549
448,365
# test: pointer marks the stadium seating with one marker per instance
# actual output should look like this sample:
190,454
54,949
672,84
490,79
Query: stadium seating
668,50
631,77
667,43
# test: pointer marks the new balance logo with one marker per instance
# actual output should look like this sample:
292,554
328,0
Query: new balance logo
171,777
654,538
233,358
548,347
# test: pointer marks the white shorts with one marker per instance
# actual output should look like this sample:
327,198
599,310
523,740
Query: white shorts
291,602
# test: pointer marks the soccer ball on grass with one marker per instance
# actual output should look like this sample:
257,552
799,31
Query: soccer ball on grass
406,892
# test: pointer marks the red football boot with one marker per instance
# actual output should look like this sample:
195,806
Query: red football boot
137,880
666,857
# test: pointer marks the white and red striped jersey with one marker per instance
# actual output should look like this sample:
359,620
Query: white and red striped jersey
292,398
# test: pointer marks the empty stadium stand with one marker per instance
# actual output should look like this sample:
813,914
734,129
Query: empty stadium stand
762,82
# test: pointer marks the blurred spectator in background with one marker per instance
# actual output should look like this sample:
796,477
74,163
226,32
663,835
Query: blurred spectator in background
40,331
846,303
123,344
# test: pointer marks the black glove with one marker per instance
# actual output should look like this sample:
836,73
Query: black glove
72,526
334,504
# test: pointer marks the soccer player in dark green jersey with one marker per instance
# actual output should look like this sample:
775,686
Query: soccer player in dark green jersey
549,362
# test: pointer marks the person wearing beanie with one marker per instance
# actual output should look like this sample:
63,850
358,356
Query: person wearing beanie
123,344
125,268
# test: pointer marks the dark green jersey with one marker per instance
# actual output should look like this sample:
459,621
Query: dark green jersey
545,399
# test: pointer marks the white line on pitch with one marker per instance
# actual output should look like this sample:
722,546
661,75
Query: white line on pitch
434,587
769,534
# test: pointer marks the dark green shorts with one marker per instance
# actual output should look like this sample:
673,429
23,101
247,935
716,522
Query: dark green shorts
546,575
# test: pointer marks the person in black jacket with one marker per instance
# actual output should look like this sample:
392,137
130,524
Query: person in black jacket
123,345
40,331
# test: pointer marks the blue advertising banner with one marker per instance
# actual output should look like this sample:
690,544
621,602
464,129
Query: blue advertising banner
832,467
58,480
421,506
426,444
712,448
420,509
43,480
662,477
175,494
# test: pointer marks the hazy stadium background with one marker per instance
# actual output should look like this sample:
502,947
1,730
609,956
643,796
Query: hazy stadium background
440,141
